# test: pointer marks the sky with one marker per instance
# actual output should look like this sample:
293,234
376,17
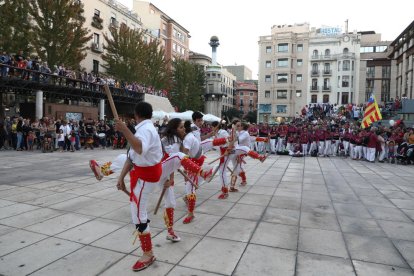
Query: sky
240,23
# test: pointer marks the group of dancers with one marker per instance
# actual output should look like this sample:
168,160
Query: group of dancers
152,160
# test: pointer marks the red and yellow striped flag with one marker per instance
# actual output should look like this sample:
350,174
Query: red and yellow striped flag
372,112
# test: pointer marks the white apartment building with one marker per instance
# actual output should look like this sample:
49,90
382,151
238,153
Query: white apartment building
283,72
334,63
100,15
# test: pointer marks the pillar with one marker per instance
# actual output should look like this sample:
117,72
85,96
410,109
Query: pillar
39,104
101,109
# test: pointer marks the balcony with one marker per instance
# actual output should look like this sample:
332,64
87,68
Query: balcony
97,22
327,72
326,88
314,88
96,47
315,73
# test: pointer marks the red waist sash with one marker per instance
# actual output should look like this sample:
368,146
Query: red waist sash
148,174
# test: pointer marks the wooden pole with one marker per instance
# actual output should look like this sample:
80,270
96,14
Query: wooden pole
111,101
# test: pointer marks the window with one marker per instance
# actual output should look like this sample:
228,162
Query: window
96,13
281,108
96,39
315,68
267,78
300,48
327,53
353,65
267,94
326,84
282,78
386,72
299,62
211,88
314,84
95,66
268,49
282,62
339,66
345,81
298,93
325,99
251,94
241,102
385,90
299,77
268,64
282,94
346,51
241,108
327,68
241,93
283,47
345,98
369,86
250,102
315,53
314,98
346,66
371,72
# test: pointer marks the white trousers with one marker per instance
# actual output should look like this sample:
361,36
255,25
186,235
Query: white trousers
328,150
370,154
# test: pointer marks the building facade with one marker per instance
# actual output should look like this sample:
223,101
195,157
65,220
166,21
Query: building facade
333,74
375,69
402,53
241,72
283,67
245,97
100,16
174,37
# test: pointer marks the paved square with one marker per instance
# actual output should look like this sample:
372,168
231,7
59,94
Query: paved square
296,216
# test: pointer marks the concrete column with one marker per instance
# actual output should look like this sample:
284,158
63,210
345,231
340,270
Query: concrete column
101,109
39,104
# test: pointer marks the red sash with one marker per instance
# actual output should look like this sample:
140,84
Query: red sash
148,174
222,151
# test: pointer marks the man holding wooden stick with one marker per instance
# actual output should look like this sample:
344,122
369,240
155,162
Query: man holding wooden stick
145,155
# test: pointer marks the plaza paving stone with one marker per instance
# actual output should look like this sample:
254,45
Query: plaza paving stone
296,216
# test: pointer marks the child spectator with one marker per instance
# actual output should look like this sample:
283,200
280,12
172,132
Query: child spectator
72,139
30,140
61,140
391,151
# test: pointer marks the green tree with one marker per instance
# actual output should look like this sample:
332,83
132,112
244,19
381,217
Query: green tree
15,26
188,86
57,33
232,113
251,116
128,57
125,54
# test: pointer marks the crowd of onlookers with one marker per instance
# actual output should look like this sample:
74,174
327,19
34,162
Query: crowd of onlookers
64,135
32,68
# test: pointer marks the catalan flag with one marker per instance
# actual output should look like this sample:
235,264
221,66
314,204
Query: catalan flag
372,112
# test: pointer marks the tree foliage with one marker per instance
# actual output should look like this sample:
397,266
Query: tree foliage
128,57
15,26
232,113
188,86
251,116
57,33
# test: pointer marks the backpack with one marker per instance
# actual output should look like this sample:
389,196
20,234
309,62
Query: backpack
314,153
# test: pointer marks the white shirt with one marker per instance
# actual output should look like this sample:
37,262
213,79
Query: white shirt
151,145
66,129
192,144
244,138
171,148
222,134
196,131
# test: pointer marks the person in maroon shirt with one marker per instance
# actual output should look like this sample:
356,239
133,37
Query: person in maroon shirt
328,143
304,140
283,131
320,133
335,138
273,139
314,141
372,144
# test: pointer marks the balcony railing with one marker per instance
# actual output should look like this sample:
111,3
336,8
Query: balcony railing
327,72
314,88
96,47
315,73
333,57
326,88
